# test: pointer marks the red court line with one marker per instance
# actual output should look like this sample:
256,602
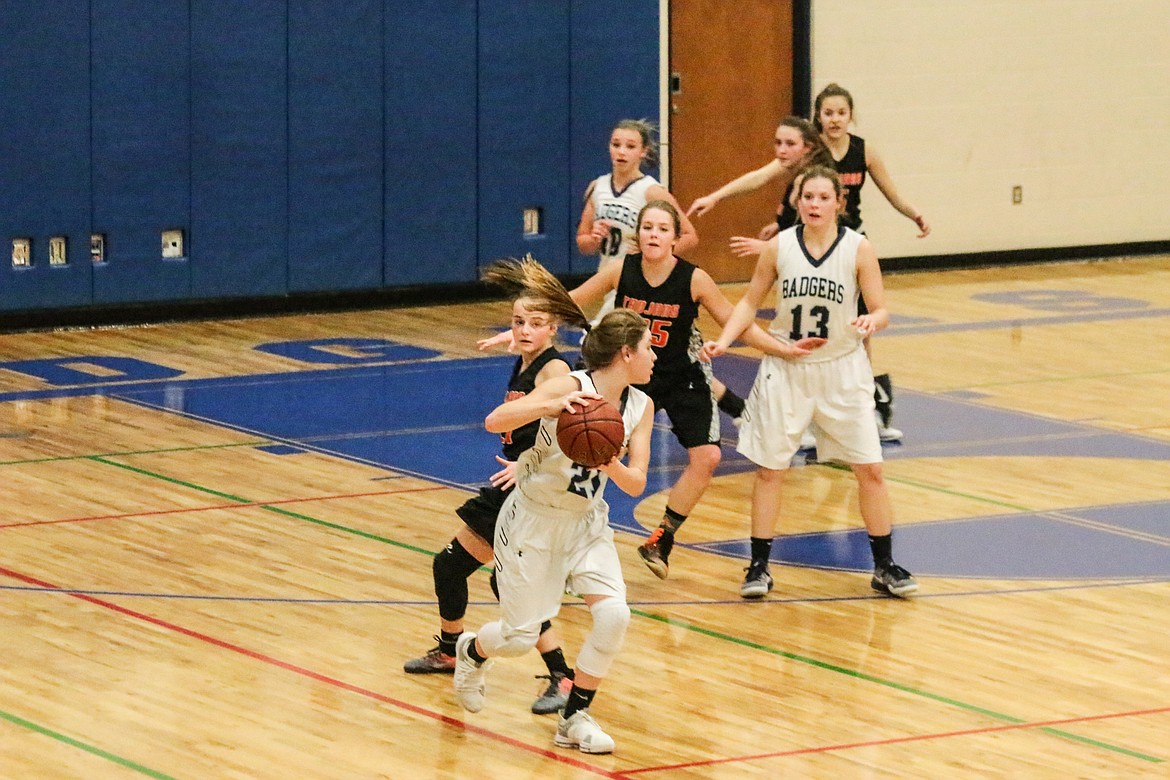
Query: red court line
901,740
318,677
237,505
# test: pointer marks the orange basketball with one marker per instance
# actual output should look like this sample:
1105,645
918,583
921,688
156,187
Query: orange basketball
591,435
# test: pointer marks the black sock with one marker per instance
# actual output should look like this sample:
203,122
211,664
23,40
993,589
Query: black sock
671,521
882,548
447,642
579,699
761,549
731,403
474,654
555,661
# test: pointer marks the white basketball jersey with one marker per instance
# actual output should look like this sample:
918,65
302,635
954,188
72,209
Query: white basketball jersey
547,477
817,297
621,210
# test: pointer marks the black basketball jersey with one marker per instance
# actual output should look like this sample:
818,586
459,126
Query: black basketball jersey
671,310
851,168
786,216
522,383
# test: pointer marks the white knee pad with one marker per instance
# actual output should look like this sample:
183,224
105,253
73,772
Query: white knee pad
611,617
496,639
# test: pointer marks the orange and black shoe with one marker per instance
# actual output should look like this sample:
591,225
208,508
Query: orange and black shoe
656,550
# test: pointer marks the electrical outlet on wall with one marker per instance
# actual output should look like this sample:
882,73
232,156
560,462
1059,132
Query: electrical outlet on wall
57,251
1017,195
22,252
172,243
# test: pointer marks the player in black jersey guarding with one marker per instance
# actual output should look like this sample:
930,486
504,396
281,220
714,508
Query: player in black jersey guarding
853,158
534,327
668,292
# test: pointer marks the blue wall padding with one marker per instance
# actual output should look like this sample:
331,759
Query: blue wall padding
303,146
598,58
335,145
239,148
44,150
141,146
430,142
523,128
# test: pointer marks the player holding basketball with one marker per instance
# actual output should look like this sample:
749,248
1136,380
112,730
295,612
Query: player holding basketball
534,327
554,529
608,225
820,268
669,292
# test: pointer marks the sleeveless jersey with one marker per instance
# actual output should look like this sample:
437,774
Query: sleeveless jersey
851,168
672,312
546,476
520,384
817,297
621,210
786,216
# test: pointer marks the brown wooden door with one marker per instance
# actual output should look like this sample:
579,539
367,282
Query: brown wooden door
733,59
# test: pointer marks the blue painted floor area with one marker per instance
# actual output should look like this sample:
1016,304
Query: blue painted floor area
426,418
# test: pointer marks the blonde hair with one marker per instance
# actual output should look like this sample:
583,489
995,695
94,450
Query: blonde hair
527,279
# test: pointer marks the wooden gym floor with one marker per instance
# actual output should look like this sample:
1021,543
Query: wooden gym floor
216,541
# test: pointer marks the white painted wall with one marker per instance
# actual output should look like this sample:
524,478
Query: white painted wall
965,98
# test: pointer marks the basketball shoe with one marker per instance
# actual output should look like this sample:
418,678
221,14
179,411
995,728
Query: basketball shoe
758,581
656,550
554,696
434,662
893,579
582,732
470,677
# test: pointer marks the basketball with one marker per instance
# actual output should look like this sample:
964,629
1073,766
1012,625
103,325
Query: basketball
591,435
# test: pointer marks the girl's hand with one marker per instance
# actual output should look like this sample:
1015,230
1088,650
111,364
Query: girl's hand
864,326
923,226
500,338
701,206
712,349
803,347
601,228
505,477
741,246
581,398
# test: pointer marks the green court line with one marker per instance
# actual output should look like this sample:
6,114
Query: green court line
681,624
887,683
19,721
273,509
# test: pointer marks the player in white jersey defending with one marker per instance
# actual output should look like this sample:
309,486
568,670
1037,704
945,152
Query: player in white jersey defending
553,530
819,269
609,220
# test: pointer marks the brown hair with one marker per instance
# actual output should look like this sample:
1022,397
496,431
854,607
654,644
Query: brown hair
663,205
833,90
647,130
620,328
820,172
525,278
820,154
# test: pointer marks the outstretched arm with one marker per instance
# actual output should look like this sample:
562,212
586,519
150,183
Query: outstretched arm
752,180
547,400
881,177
